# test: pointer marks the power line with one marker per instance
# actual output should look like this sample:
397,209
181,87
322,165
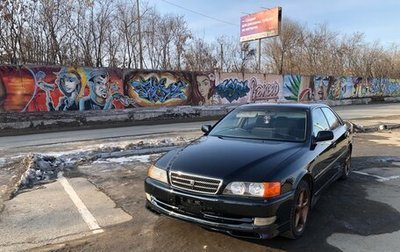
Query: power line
198,13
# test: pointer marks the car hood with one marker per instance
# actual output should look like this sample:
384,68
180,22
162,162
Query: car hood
231,158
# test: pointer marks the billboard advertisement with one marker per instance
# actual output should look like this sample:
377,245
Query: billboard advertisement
260,25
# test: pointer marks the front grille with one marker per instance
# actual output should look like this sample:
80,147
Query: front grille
195,183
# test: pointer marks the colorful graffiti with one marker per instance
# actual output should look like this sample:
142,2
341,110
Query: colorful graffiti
291,87
68,81
103,92
65,89
232,89
264,91
316,88
51,88
158,89
305,88
155,90
206,87
2,96
321,87
392,87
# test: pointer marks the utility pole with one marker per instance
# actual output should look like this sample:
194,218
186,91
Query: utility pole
140,36
281,67
222,57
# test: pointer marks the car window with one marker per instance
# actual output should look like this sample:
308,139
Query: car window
332,118
319,121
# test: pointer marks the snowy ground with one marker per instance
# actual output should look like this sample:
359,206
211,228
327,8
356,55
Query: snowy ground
32,166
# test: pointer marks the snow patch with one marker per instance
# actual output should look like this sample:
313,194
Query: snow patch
41,168
123,160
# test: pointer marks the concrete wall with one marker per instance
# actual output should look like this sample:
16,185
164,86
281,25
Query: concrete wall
55,88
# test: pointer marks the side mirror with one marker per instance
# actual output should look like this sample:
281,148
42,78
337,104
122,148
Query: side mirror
324,136
206,128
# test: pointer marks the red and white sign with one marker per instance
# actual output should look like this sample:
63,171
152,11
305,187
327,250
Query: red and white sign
260,25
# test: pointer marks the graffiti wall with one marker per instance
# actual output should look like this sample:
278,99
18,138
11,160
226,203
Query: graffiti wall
316,88
245,88
51,88
154,89
38,88
30,89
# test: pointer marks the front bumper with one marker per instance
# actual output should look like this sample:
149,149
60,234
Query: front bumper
233,215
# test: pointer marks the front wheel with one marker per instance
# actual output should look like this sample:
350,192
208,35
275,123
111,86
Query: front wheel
300,211
346,167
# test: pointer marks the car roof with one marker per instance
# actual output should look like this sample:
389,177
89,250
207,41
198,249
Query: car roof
307,106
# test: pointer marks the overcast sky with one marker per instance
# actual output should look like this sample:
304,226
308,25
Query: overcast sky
378,20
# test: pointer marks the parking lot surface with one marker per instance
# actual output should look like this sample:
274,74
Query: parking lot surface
359,214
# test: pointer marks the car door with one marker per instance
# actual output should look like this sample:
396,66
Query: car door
324,152
340,138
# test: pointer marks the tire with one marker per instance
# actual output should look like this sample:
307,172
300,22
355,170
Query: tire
346,167
299,214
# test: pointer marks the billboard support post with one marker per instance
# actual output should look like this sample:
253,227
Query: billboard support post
259,55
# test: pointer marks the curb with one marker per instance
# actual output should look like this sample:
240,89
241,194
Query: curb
26,123
374,128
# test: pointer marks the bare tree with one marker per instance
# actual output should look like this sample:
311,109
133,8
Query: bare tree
105,33
199,56
127,28
182,35
14,15
237,57
282,52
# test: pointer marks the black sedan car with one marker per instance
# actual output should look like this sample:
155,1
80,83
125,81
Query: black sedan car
256,173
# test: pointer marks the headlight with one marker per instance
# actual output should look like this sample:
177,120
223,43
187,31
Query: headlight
264,190
157,174
238,188
256,189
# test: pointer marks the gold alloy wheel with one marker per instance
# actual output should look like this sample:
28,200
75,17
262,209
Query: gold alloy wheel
347,166
302,209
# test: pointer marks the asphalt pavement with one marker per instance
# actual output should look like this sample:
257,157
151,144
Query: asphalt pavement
362,113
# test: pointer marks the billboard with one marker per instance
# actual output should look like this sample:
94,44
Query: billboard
260,25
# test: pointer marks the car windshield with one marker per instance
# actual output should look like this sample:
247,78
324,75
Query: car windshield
278,124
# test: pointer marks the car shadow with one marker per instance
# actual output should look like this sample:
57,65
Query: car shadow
344,208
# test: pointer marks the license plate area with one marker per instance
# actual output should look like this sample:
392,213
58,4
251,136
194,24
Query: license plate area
190,205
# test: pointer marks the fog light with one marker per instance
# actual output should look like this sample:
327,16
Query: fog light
264,221
148,197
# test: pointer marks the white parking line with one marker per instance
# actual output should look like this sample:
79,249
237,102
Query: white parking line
85,213
379,178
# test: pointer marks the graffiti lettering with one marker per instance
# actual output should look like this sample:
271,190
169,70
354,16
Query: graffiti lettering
264,91
232,90
155,90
